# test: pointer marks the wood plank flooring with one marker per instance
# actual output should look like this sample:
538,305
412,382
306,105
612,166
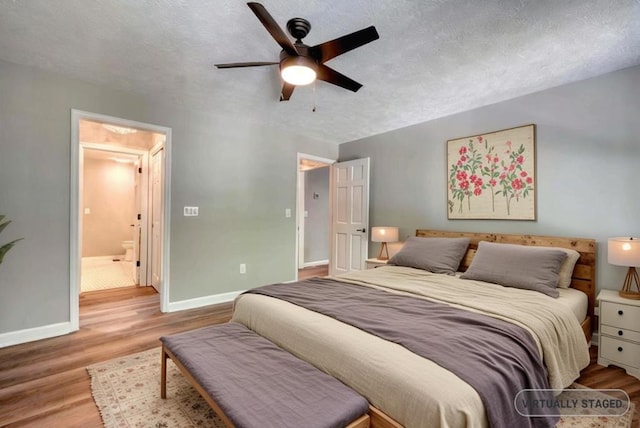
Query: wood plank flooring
45,383
310,272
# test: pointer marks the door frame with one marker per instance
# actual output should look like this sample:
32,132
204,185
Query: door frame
75,217
300,204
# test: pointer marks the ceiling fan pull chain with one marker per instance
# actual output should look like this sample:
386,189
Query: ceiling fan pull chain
314,98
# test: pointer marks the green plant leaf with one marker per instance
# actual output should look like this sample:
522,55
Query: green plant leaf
3,225
6,247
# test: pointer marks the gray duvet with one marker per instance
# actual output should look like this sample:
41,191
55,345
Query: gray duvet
453,338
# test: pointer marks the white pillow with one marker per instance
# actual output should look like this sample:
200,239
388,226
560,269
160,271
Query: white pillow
566,269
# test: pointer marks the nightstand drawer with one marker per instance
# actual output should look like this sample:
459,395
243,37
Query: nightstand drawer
619,315
616,350
620,333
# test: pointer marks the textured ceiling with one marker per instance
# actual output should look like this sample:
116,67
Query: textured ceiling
433,58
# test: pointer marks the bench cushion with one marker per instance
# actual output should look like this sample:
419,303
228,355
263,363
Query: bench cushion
258,384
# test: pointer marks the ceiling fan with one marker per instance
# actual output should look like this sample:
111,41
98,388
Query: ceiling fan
301,64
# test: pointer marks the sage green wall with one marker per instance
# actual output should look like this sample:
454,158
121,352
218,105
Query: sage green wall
588,158
241,175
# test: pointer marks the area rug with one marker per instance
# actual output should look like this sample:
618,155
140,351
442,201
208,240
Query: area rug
127,393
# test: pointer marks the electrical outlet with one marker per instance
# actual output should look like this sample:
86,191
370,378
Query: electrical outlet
190,211
287,212
243,268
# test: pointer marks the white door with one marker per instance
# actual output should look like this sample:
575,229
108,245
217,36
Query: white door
350,216
157,163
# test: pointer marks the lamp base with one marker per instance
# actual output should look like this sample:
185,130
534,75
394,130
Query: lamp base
384,253
626,292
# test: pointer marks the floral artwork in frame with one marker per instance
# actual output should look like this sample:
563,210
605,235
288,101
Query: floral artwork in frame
493,175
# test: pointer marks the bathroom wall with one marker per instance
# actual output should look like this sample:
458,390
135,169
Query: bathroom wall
109,196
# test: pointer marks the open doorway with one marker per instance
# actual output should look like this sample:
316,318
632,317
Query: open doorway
111,202
119,207
313,215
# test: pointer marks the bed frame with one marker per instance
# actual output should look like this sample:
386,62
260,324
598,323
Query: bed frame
584,273
583,279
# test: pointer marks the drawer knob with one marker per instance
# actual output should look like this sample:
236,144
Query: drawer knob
620,333
619,348
620,312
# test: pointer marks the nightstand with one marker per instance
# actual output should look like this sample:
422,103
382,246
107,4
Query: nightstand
372,263
619,332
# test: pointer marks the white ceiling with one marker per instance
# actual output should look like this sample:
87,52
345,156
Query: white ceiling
433,58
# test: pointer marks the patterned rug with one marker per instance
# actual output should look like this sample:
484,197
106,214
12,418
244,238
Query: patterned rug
127,393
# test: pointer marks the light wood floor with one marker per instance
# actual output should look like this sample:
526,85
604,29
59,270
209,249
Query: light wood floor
45,383
310,272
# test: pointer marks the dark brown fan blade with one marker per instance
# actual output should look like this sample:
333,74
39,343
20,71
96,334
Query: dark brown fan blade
329,75
331,49
273,28
287,90
245,64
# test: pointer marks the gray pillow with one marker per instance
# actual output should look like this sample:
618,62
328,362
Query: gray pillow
437,255
518,266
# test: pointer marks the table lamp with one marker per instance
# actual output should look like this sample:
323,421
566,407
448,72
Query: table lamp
384,235
626,252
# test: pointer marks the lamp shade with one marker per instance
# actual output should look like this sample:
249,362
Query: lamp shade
624,252
384,234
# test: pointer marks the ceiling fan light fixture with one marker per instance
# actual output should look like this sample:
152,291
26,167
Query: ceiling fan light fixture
298,70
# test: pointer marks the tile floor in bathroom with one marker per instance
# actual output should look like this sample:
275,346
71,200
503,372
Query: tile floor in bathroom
101,273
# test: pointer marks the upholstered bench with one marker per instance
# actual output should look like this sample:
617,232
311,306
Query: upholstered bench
250,382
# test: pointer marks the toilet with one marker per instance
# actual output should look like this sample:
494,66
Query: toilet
128,247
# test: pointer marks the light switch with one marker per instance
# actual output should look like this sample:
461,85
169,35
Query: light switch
190,211
87,210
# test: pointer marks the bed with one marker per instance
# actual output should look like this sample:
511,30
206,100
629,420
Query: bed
407,389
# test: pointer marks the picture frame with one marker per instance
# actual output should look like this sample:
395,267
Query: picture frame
492,176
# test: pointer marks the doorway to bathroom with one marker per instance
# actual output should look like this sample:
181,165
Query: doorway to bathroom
119,207
111,201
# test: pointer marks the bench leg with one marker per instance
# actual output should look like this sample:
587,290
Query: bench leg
163,378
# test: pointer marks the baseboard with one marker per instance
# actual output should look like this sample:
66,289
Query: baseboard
198,302
318,263
32,334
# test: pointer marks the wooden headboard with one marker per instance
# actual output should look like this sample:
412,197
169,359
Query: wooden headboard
584,273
